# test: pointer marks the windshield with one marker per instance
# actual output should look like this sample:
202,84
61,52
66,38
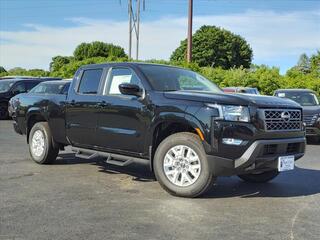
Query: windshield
5,85
163,78
303,98
48,88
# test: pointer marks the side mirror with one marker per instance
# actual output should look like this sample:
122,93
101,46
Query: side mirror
130,89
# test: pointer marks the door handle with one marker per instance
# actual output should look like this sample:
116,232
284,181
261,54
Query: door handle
102,104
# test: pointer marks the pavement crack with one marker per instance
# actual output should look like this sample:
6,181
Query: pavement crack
20,176
295,217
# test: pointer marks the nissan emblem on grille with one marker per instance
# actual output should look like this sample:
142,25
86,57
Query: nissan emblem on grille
285,116
282,119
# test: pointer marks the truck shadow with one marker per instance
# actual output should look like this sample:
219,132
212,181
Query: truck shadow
300,182
139,172
311,141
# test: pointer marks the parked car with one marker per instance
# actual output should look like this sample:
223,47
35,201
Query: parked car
42,90
311,109
174,120
12,87
247,90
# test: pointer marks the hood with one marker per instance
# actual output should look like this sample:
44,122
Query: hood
311,110
233,99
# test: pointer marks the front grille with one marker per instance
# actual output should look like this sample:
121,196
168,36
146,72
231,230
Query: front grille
309,120
282,120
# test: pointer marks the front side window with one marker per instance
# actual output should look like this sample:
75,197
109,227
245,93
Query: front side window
118,76
90,80
165,78
19,88
5,85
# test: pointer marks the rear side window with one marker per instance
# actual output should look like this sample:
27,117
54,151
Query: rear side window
90,80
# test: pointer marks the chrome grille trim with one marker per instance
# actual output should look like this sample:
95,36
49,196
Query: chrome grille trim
277,120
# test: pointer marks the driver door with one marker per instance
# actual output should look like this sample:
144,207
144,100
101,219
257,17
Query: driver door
122,118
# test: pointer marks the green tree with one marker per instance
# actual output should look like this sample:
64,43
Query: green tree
98,49
216,47
2,70
303,64
315,63
58,62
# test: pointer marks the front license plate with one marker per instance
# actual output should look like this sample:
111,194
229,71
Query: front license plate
285,163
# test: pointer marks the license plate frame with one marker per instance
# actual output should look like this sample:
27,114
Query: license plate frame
285,163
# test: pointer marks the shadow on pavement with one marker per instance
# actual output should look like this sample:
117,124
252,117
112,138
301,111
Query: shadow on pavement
300,182
313,141
138,172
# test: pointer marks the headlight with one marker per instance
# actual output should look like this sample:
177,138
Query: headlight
232,113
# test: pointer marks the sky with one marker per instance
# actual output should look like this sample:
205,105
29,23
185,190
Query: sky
33,31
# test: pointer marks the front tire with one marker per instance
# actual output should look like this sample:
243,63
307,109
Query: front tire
181,166
41,146
259,177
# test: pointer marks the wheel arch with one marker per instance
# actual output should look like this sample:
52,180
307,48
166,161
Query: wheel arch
168,124
33,116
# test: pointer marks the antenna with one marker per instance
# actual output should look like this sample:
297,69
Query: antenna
134,24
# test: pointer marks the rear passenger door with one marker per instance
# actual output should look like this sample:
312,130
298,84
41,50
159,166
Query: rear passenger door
81,110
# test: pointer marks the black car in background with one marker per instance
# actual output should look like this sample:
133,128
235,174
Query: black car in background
311,108
13,86
42,90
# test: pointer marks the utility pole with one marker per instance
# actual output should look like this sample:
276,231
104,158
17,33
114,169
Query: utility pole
130,26
138,29
189,48
134,25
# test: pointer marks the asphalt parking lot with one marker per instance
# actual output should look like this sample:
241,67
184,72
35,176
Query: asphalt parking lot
81,199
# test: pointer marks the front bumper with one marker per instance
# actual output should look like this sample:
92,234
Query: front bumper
262,155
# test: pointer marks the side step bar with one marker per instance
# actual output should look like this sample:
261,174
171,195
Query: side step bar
112,158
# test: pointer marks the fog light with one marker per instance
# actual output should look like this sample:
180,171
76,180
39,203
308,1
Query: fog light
232,141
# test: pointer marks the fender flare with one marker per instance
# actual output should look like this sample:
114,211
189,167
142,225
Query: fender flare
173,117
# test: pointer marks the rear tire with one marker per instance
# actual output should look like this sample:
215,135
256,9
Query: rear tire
181,166
260,177
41,145
4,114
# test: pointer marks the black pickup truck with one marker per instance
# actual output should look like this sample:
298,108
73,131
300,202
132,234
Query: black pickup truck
179,123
